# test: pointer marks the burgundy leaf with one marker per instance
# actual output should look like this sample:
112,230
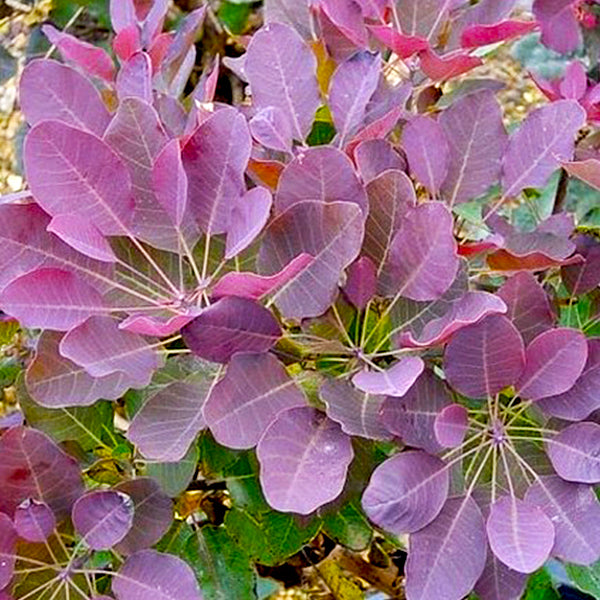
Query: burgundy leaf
329,232
300,447
51,299
482,359
373,157
440,68
520,534
323,173
82,236
255,287
103,518
169,421
163,576
153,513
361,282
352,85
406,492
477,139
357,412
426,147
402,45
50,90
169,182
8,543
88,57
71,171
582,278
231,325
281,70
127,42
575,513
423,258
528,305
544,140
582,399
412,417
482,35
467,310
249,215
553,362
560,29
215,159
271,128
135,78
499,582
158,327
102,349
34,521
451,426
395,381
34,467
574,453
254,390
455,542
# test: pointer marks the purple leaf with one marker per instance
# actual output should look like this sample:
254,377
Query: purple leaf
467,310
347,17
254,390
103,518
406,492
127,42
361,282
574,453
153,20
424,141
8,543
404,46
477,139
169,421
300,447
292,13
575,513
271,128
157,327
358,413
582,399
153,513
102,349
352,85
163,576
475,36
544,140
455,542
498,582
412,417
323,173
586,170
520,534
122,14
528,305
55,382
442,68
231,325
82,236
373,9
582,278
574,83
255,287
422,17
451,426
135,78
560,28
88,57
374,157
329,232
482,359
71,171
395,381
50,90
215,159
34,521
553,362
249,215
281,70
391,195
51,299
169,182
423,258
33,466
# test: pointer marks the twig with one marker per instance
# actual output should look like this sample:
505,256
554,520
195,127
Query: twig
561,192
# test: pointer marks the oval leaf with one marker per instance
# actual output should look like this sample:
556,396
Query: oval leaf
34,521
395,381
575,453
451,426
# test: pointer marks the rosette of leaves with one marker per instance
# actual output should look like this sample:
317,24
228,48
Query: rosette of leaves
344,268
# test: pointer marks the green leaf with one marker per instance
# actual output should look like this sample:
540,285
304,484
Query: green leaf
8,329
338,582
9,371
174,477
539,587
587,579
271,537
349,526
175,541
234,16
222,567
322,131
